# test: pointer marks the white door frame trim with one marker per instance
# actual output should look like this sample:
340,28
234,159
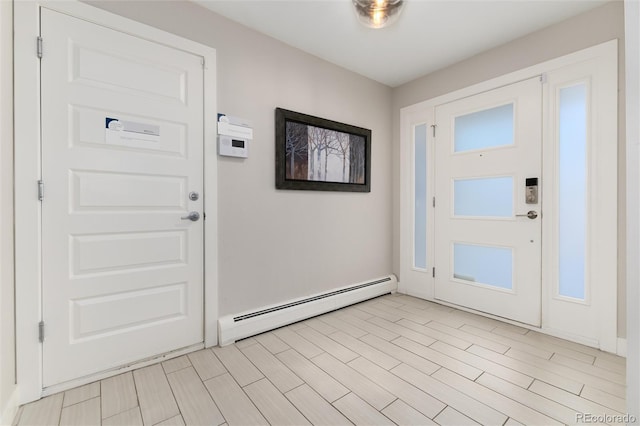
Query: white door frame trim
420,283
28,172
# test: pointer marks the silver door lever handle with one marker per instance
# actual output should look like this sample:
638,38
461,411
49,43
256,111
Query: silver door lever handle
192,216
531,214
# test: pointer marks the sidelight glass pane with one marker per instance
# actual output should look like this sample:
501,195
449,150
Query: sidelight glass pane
484,129
491,197
483,265
572,184
420,198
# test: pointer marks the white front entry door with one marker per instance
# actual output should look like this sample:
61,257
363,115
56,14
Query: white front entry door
122,143
487,250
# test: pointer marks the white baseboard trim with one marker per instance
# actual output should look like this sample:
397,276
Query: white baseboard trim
622,347
10,409
239,326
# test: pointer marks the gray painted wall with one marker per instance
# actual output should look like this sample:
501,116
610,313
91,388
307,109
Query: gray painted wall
7,323
632,34
596,26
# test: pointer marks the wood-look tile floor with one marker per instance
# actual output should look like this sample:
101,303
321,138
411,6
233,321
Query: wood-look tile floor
390,360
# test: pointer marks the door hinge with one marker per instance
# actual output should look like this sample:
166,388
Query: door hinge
433,272
39,47
434,201
433,128
41,331
40,190
543,78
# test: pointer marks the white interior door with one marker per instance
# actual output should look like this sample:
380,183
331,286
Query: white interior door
122,142
487,250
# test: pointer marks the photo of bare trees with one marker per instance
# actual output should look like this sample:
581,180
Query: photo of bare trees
319,154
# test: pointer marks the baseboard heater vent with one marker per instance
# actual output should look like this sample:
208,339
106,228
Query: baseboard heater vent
235,327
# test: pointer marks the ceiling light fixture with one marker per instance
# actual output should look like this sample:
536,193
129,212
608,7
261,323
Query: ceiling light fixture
378,13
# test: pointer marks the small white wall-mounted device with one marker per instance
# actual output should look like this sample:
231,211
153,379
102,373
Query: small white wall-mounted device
234,134
233,147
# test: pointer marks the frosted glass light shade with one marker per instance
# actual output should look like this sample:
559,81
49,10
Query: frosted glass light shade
378,13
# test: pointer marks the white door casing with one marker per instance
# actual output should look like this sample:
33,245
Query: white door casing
158,160
494,226
594,321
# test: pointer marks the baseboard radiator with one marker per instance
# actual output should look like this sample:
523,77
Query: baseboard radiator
239,326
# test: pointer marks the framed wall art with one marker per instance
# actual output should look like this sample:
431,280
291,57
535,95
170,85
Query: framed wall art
313,153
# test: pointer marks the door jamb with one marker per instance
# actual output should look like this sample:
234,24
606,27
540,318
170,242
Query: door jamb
28,172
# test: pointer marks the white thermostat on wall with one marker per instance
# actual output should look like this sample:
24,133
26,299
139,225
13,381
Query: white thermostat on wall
234,134
233,147
229,125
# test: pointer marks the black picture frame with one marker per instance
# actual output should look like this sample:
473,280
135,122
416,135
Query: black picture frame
317,154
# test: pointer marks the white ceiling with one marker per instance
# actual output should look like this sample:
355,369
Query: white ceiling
429,35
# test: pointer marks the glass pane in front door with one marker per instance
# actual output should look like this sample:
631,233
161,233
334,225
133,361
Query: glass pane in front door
492,127
491,266
491,197
572,189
